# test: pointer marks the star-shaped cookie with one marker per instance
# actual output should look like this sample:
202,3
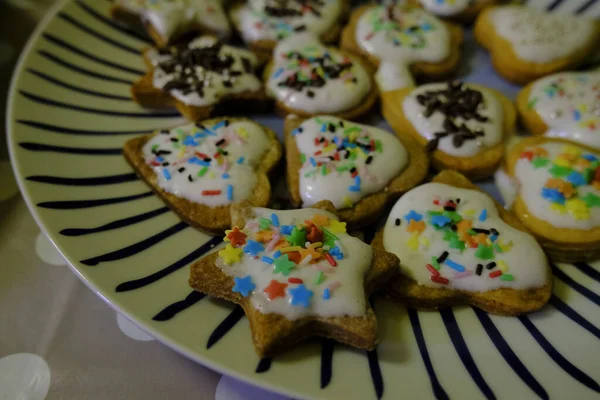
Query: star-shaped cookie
201,78
294,291
167,21
199,170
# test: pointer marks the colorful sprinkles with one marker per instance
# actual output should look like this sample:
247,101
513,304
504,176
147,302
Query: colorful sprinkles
402,28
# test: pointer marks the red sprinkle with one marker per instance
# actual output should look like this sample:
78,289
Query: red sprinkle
527,154
330,259
354,174
473,245
495,273
318,153
201,155
336,156
211,192
436,202
154,163
439,279
433,271
316,141
597,174
216,155
295,280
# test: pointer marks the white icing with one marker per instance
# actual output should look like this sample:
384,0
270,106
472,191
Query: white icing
339,187
569,104
532,180
213,87
507,187
428,126
255,24
392,76
539,36
525,259
447,8
347,299
336,95
242,139
392,40
173,17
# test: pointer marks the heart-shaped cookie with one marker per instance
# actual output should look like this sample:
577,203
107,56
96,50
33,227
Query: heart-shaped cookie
565,105
526,43
355,166
459,247
201,169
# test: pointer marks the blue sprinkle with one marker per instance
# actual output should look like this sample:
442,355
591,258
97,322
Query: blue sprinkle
326,294
336,140
267,260
199,135
159,159
218,125
354,188
576,115
277,254
313,162
240,160
275,219
196,160
576,178
295,131
439,220
189,141
225,176
483,215
426,27
454,265
278,73
553,195
493,237
589,157
229,192
167,174
286,229
323,127
412,214
357,180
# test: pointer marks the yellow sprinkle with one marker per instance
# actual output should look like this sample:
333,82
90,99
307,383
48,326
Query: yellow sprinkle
242,132
505,246
425,242
329,148
488,241
572,150
470,212
577,208
211,175
290,249
181,152
316,244
347,201
413,242
559,208
502,265
562,161
353,137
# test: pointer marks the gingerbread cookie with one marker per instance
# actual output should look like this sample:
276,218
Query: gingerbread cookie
201,78
559,196
308,78
459,247
464,125
399,39
199,170
358,168
565,105
296,274
457,10
262,23
526,43
169,20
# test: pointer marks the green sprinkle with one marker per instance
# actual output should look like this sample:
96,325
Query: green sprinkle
309,174
453,215
540,162
484,252
353,156
498,248
329,234
202,171
264,223
532,103
432,213
588,174
507,277
449,235
558,172
176,145
351,129
297,237
378,146
154,147
471,232
319,278
456,243
302,158
344,168
324,170
434,262
319,120
591,200
180,131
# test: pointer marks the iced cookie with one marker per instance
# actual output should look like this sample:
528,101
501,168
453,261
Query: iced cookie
559,196
296,274
398,38
456,10
565,105
358,168
202,78
262,23
307,78
167,21
526,43
464,125
460,247
199,170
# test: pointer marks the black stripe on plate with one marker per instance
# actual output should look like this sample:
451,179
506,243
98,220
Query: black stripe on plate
438,390
136,248
74,88
558,273
120,223
77,204
585,6
172,310
554,4
81,70
72,131
113,24
97,35
327,346
574,316
95,181
147,280
588,270
375,370
54,103
99,60
69,150
263,365
509,355
463,352
225,326
558,358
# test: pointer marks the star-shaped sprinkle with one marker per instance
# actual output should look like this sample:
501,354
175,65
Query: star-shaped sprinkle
413,241
336,226
484,252
320,220
275,289
553,195
559,171
591,200
297,237
283,265
415,226
243,285
300,296
413,215
235,236
576,179
456,243
230,254
263,236
439,220
313,253
539,162
253,248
